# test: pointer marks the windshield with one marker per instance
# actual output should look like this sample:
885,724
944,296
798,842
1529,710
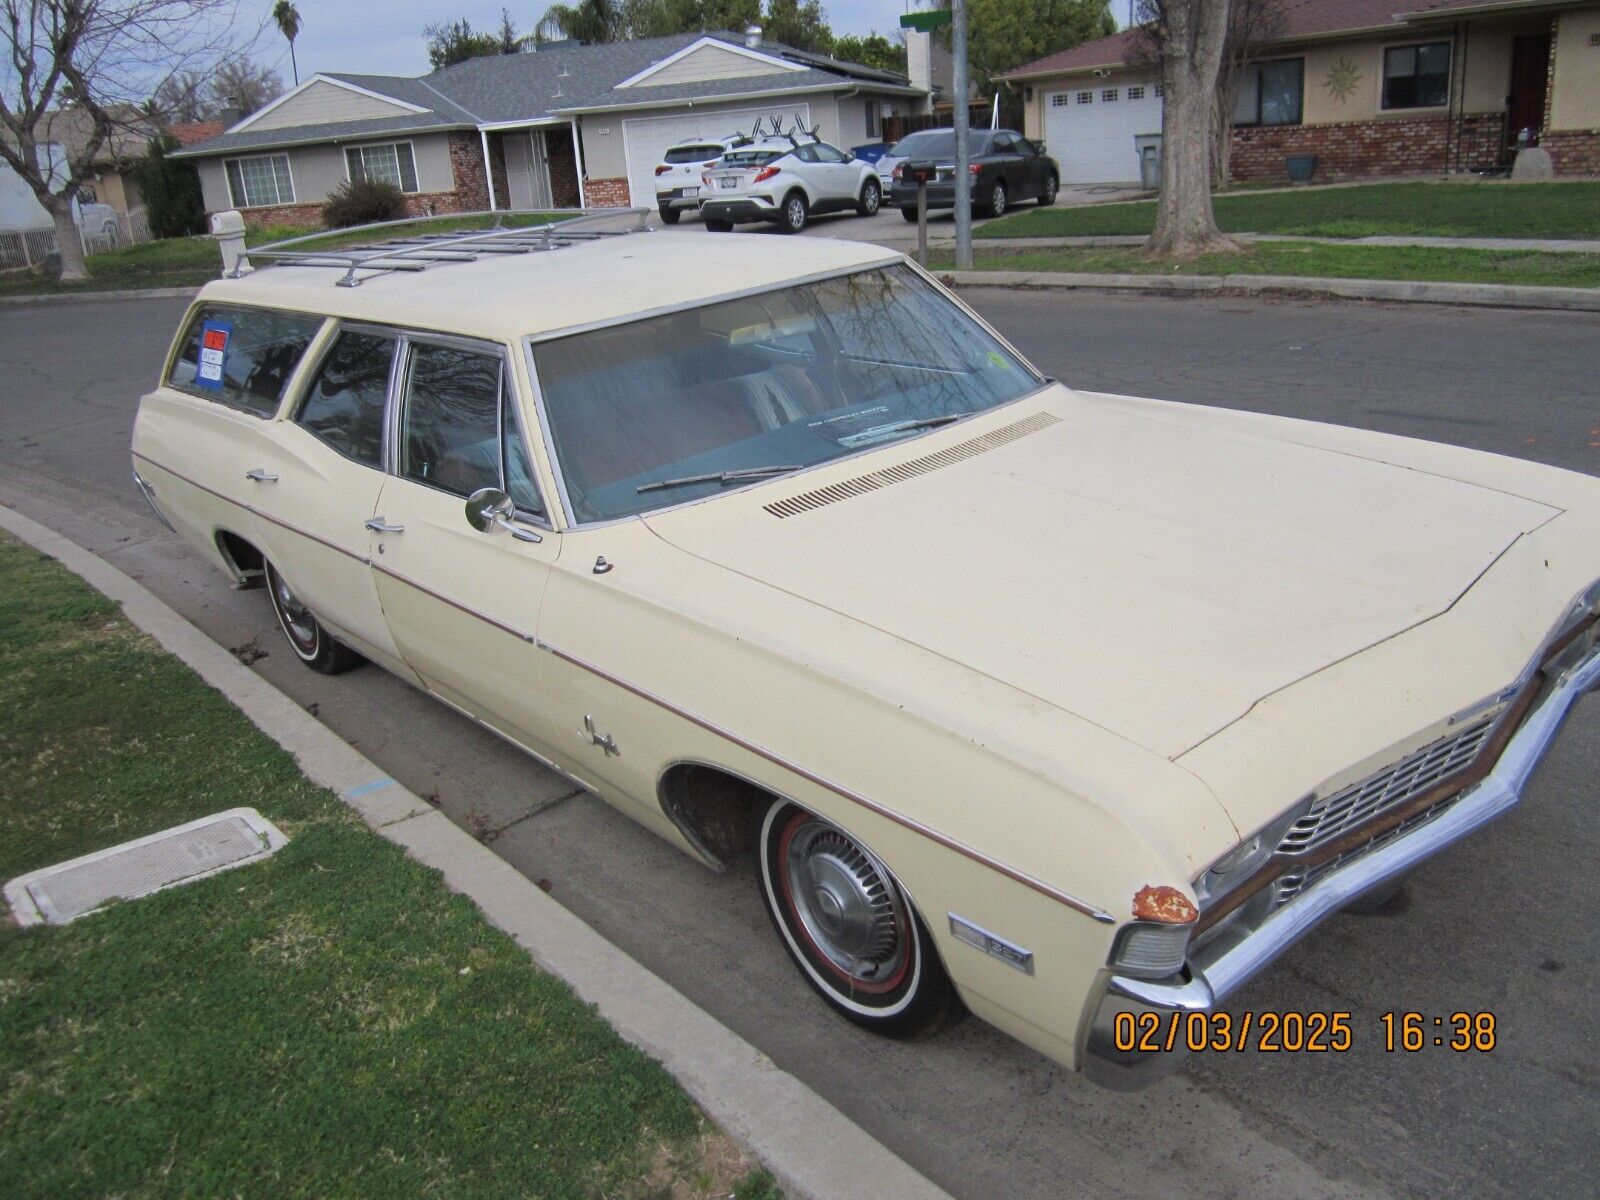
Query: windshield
784,379
689,154
937,143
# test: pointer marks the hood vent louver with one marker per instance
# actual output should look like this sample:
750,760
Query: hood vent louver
845,489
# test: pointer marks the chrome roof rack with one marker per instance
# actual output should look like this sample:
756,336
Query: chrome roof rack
420,250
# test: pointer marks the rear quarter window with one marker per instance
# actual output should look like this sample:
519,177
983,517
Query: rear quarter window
241,357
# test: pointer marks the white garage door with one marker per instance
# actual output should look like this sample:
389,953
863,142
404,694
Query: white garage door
1090,129
645,140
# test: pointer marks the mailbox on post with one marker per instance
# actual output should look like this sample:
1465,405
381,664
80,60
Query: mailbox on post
921,172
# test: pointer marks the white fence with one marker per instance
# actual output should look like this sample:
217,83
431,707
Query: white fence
21,249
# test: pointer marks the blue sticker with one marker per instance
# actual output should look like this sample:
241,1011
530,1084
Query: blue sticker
214,337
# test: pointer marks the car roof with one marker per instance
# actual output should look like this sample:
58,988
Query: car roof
507,296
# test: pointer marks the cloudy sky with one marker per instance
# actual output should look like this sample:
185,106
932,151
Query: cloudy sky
385,38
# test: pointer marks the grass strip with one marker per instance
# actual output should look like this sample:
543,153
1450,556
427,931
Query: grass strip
1311,259
192,261
332,1022
1506,210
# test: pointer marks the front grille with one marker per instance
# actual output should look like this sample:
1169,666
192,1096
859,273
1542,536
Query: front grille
1287,886
1328,820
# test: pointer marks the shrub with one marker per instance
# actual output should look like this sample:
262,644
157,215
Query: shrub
361,202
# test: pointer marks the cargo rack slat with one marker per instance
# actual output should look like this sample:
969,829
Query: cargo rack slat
419,251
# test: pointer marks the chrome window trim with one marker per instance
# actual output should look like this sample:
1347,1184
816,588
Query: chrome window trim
570,515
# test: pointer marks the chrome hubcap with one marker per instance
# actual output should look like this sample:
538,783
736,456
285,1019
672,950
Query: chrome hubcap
843,897
298,622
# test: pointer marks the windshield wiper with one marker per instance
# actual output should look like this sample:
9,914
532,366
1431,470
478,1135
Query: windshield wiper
716,477
920,423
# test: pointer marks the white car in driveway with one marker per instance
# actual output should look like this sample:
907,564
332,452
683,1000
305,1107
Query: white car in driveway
786,180
678,174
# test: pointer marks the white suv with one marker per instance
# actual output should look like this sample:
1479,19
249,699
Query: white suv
786,180
678,174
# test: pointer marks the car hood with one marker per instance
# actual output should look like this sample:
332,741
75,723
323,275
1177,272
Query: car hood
1128,562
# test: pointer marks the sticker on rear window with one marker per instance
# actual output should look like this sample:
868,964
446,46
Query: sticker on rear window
214,337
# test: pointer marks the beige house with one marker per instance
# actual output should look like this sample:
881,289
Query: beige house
1369,87
564,125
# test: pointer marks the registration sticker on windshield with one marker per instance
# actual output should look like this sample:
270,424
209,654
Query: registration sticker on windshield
214,338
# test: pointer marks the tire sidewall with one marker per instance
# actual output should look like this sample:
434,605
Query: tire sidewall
319,647
791,933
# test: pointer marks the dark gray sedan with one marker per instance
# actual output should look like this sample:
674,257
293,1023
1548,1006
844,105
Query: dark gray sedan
1006,168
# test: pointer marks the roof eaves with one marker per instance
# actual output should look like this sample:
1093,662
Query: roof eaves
207,150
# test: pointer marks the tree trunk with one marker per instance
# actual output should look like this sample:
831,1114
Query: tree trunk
1193,38
69,243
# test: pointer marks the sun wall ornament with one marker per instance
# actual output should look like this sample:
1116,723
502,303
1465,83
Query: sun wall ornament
1343,78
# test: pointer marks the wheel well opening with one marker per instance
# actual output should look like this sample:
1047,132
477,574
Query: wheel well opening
247,562
713,810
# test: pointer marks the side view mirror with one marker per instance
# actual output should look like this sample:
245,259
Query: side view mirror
490,507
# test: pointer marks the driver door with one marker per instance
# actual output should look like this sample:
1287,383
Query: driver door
462,604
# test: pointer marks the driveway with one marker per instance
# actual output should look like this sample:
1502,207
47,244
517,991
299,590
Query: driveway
1488,926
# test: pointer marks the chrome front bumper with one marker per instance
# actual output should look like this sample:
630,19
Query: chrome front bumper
1208,982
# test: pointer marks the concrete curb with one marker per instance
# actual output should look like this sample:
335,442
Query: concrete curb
815,1151
172,293
1490,295
1526,245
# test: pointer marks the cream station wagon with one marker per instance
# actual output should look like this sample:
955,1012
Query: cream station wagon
1061,708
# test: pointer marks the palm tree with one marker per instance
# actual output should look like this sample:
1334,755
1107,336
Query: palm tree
288,18
590,21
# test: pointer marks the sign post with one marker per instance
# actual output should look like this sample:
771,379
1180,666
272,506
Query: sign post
963,117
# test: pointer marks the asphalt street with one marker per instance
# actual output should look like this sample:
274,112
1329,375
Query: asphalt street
1497,924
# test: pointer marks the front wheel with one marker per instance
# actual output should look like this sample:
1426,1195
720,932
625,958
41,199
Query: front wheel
312,644
713,226
849,928
1047,195
871,197
793,217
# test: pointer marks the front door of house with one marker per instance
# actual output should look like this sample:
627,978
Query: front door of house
1530,72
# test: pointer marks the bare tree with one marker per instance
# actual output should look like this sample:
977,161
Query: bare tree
244,85
105,56
1251,25
1189,38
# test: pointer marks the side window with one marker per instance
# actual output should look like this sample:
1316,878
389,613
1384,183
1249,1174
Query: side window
1003,143
450,421
828,154
524,492
344,405
806,153
242,357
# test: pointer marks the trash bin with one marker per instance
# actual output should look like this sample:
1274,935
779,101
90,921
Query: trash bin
1148,148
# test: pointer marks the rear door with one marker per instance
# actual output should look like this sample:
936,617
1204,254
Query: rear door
463,604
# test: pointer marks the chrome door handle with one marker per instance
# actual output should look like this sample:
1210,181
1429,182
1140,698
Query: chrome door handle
379,525
261,475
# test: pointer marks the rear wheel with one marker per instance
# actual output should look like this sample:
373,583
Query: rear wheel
669,216
995,202
1047,194
871,198
793,217
849,928
312,644
718,226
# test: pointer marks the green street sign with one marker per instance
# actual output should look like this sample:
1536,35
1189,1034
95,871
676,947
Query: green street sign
926,22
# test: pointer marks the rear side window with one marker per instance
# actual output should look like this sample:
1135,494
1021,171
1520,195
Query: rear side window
242,357
344,405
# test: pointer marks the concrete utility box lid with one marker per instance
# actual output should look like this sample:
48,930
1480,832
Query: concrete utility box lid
183,854
1533,162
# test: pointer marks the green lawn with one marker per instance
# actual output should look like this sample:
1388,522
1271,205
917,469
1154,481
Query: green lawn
1522,210
1318,259
192,261
332,1022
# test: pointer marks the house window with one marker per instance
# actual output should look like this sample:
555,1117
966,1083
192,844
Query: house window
1158,91
389,163
1416,76
1136,93
1269,93
874,110
258,181
1109,95
1085,97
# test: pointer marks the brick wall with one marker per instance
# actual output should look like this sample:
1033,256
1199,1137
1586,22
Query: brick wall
309,216
563,168
1574,151
1364,149
606,193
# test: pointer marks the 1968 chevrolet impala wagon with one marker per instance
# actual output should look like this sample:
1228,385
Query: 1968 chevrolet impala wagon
1040,704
